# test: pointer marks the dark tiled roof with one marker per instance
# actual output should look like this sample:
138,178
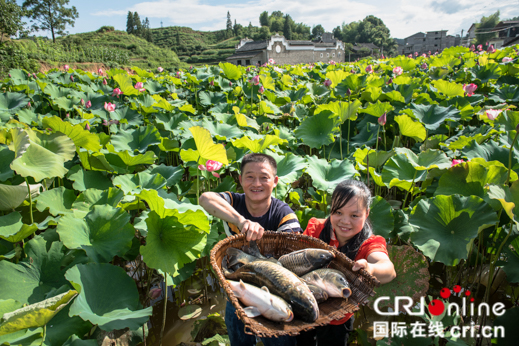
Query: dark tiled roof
510,41
324,44
244,55
254,45
300,43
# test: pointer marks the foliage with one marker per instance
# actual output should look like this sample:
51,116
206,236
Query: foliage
485,25
10,19
50,15
370,30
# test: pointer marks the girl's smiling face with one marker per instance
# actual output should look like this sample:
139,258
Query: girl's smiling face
349,220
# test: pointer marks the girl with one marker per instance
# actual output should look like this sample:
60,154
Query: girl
348,229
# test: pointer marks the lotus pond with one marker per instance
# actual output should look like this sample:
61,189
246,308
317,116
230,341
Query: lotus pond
100,176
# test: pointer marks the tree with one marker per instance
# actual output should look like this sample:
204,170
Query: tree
10,19
148,36
287,29
485,25
229,24
264,33
50,15
137,30
264,19
317,30
130,25
277,25
370,30
337,33
178,37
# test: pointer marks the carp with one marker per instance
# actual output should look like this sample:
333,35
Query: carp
320,295
304,261
332,281
259,301
281,282
253,250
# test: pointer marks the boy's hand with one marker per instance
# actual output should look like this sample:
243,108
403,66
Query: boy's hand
253,229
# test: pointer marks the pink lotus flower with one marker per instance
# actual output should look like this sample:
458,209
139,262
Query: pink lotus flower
110,107
410,56
398,70
369,69
493,113
155,293
472,48
66,67
88,104
87,127
456,162
469,89
9,75
213,165
248,69
424,65
352,71
72,77
415,53
215,174
82,102
383,57
424,55
160,69
480,47
271,61
178,74
117,92
28,75
202,168
255,80
139,86
100,71
507,59
105,82
429,53
331,62
491,49
327,83
29,104
264,65
261,89
382,119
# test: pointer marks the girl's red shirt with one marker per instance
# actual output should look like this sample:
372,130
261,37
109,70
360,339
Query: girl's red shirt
375,243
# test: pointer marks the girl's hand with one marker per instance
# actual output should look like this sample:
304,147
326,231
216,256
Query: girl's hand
362,264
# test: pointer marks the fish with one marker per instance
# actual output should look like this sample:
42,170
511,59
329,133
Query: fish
259,301
253,250
306,260
281,282
331,280
320,295
236,256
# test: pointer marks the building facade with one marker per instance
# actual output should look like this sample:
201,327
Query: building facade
432,41
283,51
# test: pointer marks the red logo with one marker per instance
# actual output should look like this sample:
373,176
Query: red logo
437,307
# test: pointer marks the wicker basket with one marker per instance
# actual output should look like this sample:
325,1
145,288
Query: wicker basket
278,244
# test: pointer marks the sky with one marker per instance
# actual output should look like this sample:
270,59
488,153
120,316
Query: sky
402,17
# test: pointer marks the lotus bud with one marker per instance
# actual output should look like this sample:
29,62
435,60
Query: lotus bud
327,83
261,89
34,75
390,81
348,92
202,168
507,59
424,66
472,48
87,127
215,174
230,84
88,104
211,83
82,102
67,115
352,71
491,49
72,77
155,293
105,82
28,75
382,120
29,104
517,127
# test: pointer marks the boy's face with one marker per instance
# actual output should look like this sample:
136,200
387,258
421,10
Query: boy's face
258,180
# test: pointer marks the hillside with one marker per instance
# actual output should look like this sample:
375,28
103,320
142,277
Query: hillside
194,46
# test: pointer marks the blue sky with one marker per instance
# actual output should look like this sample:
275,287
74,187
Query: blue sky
402,17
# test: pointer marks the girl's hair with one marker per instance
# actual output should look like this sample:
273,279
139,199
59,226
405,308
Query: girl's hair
342,194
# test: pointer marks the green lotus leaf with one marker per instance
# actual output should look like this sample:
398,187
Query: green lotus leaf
123,160
378,109
74,340
107,297
88,179
371,93
81,137
34,276
317,130
206,149
488,72
444,61
428,159
376,158
91,197
142,73
8,305
126,84
449,89
470,178
507,196
208,98
353,82
407,64
27,116
10,102
267,82
94,161
105,232
20,141
367,135
154,87
381,217
400,171
136,139
412,277
11,196
26,337
34,315
59,201
222,131
444,226
62,327
344,110
127,115
39,163
432,116
173,175
507,323
316,90
507,93
258,145
170,244
135,183
327,175
290,168
231,71
410,128
6,157
511,267
336,77
13,229
393,96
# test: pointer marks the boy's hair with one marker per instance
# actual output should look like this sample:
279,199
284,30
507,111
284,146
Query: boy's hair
342,194
256,157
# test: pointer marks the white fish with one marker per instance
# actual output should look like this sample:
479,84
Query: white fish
259,301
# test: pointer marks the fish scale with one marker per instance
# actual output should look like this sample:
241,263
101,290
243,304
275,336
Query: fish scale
303,261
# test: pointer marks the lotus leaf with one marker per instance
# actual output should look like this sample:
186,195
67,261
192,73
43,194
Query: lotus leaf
124,161
206,149
444,226
126,115
258,145
173,175
170,244
507,196
107,297
508,323
136,139
34,315
133,184
59,201
393,96
208,98
399,171
267,82
511,267
367,135
336,77
488,72
81,137
448,89
508,93
327,175
344,110
11,196
412,277
189,311
433,115
317,130
381,217
126,84
13,229
376,158
74,340
231,71
410,128
169,121
290,168
84,180
154,87
10,102
26,337
35,276
91,197
405,63
427,159
316,90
